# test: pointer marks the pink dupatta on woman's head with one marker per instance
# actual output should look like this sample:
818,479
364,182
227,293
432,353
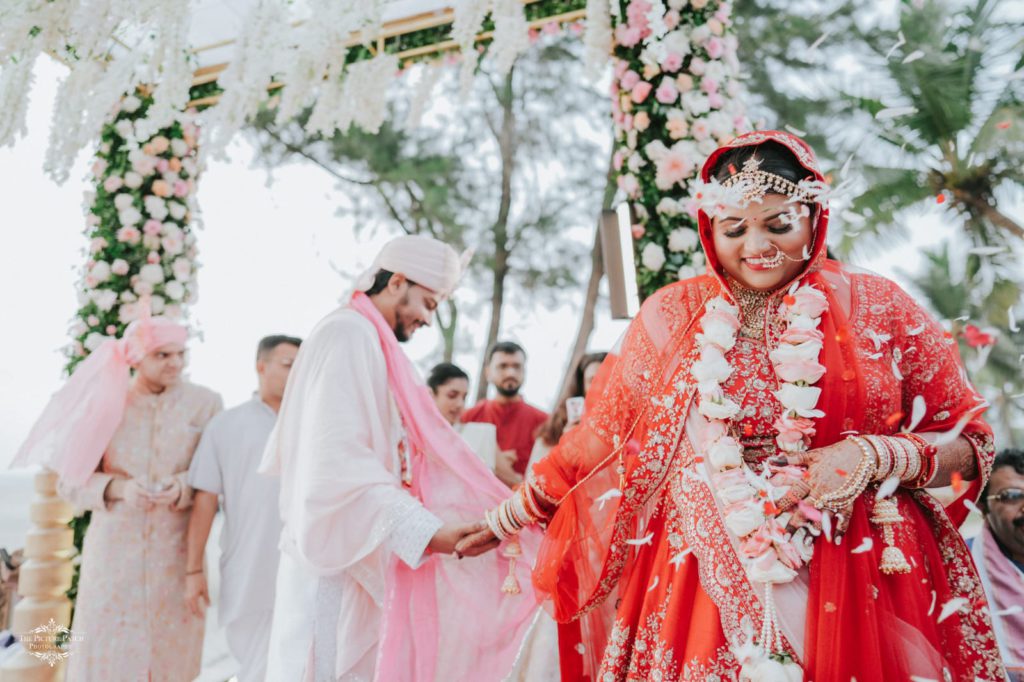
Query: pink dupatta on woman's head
77,424
447,619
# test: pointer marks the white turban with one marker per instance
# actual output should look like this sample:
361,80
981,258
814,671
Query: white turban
424,260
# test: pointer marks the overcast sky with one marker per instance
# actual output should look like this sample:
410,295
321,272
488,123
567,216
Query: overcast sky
270,256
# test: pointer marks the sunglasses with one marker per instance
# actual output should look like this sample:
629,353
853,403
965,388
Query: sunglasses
1008,496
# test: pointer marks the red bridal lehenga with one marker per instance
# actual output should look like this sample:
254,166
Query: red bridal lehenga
641,570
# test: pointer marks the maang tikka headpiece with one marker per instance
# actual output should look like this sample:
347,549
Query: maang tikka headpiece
756,183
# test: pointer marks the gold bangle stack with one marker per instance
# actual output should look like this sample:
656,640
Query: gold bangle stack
506,521
894,457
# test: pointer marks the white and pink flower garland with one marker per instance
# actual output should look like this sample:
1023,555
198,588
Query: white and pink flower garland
676,97
138,222
769,554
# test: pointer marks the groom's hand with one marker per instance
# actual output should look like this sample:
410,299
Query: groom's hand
477,543
449,534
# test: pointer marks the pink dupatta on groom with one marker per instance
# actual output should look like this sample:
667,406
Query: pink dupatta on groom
447,619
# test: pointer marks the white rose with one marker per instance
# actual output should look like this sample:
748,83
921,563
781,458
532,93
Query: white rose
707,146
129,217
78,327
725,453
189,166
119,266
677,4
743,522
804,322
155,207
712,366
735,493
100,271
719,334
182,268
178,147
700,34
123,201
723,408
142,288
669,207
768,569
652,257
175,290
696,102
128,313
788,352
719,303
156,304
130,104
128,297
173,312
94,341
697,260
677,41
132,180
636,162
800,399
104,299
152,273
125,129
682,239
686,272
176,209
151,241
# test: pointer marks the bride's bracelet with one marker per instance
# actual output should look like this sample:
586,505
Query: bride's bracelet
856,482
514,514
906,457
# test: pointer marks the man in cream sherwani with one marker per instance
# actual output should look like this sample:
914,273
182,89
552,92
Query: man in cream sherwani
337,448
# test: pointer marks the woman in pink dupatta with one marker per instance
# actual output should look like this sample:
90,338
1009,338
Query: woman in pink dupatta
674,561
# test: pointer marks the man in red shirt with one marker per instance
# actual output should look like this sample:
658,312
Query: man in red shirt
516,420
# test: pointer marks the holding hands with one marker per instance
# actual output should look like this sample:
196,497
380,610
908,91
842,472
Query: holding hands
139,495
449,539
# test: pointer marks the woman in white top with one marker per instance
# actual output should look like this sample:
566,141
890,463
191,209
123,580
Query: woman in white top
450,385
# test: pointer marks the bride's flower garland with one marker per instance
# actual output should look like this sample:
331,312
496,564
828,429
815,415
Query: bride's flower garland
770,555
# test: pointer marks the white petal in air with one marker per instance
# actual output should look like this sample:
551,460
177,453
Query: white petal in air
887,488
917,413
913,56
654,583
951,607
608,496
645,540
899,43
896,371
931,609
1016,608
678,559
865,546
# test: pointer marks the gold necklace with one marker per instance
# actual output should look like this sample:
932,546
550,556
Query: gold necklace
753,304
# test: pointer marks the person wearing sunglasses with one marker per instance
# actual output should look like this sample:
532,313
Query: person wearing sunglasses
999,554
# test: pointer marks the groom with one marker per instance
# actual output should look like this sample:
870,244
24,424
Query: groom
376,490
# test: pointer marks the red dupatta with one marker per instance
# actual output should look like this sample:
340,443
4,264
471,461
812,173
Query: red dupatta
634,436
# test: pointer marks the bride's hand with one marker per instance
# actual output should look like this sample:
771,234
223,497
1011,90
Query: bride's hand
476,543
828,469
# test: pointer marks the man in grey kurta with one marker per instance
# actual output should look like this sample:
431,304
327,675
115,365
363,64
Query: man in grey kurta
225,466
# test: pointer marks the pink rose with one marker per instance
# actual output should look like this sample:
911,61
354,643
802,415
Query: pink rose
533,35
671,19
152,227
153,257
641,121
92,320
617,160
638,231
672,62
700,130
795,336
627,122
160,144
181,188
714,47
666,93
621,65
757,543
640,91
162,165
800,370
794,429
684,82
807,301
629,80
709,85
552,28
627,36
128,235
97,244
629,184
715,101
698,66
789,555
113,183
119,267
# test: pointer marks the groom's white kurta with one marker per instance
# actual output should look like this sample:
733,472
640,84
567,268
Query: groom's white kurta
344,509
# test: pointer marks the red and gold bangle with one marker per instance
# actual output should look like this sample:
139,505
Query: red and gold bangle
928,454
